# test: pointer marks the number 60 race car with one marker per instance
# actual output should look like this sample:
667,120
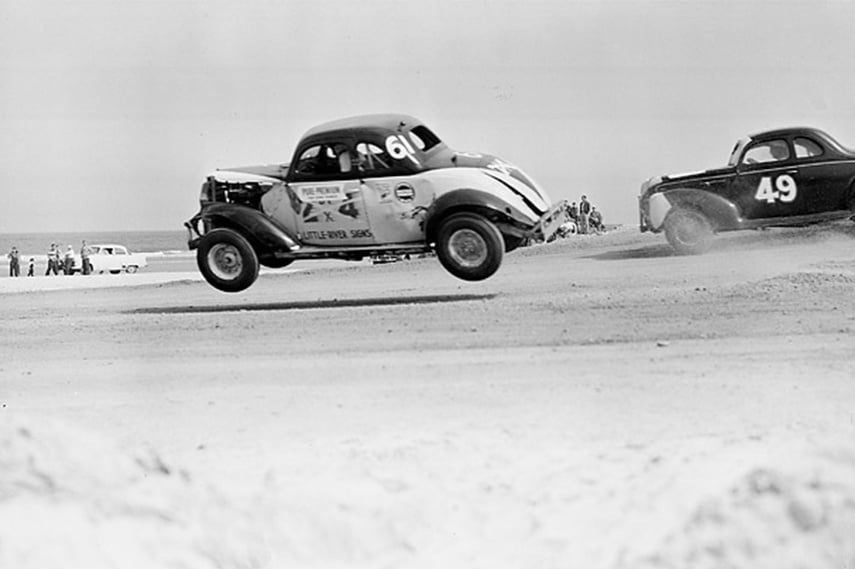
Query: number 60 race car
368,186
785,177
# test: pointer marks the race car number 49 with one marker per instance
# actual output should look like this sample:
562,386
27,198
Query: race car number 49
785,189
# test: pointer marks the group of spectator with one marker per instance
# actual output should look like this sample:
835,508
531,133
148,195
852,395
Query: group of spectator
57,261
585,216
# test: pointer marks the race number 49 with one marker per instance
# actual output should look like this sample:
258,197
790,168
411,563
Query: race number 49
784,189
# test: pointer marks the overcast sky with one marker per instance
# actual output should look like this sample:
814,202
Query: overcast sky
112,112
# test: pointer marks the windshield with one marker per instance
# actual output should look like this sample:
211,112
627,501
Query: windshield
737,151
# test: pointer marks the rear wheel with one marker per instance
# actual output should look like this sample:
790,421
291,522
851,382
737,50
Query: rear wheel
469,246
688,231
227,260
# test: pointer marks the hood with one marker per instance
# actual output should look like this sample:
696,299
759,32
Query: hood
275,171
690,176
511,176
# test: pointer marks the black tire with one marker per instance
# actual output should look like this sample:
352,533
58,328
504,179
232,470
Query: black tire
227,260
131,269
688,231
469,246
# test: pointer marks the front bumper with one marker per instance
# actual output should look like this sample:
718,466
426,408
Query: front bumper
194,234
642,214
550,222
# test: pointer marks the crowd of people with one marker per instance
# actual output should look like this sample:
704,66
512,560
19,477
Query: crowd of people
57,261
583,218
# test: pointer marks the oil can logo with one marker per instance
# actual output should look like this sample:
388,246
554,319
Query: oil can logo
405,193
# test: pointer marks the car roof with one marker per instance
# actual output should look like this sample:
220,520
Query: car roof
806,131
385,122
791,131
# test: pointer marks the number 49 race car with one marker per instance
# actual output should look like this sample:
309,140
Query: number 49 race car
364,187
785,177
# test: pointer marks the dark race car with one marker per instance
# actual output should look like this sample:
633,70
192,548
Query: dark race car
785,177
371,186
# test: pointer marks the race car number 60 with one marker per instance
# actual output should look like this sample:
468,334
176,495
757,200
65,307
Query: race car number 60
785,189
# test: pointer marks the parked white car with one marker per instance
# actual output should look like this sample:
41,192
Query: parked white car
112,258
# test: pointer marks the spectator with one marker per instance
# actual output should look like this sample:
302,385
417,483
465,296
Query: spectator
52,260
31,268
584,212
69,261
596,220
85,251
14,262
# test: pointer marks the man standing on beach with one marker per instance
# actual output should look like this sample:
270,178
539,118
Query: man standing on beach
52,260
85,251
69,261
584,212
14,262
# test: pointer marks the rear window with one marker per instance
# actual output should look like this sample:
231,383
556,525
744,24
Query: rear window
806,148
423,137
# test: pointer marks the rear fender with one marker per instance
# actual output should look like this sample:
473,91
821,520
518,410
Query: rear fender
265,235
722,213
507,217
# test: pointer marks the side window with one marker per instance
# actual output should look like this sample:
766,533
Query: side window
325,160
807,148
307,163
765,152
371,157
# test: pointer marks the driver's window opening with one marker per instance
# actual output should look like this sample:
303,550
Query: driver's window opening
765,152
325,159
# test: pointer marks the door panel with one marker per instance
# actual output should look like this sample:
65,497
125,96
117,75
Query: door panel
826,185
330,213
773,192
397,206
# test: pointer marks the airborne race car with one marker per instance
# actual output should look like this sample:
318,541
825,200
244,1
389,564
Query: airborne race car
784,177
362,187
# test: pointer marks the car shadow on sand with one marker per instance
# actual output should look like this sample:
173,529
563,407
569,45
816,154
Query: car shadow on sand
314,304
646,252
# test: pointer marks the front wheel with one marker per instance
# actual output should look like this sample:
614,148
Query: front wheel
227,260
688,231
469,246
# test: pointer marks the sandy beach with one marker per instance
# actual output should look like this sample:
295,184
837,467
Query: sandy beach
598,403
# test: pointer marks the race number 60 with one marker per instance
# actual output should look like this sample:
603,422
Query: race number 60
784,189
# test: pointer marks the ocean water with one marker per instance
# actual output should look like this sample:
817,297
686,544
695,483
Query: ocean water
135,241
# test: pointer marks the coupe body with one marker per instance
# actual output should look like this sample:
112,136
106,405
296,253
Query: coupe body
364,187
783,177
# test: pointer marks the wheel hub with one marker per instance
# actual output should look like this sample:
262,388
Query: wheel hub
467,248
690,231
225,261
